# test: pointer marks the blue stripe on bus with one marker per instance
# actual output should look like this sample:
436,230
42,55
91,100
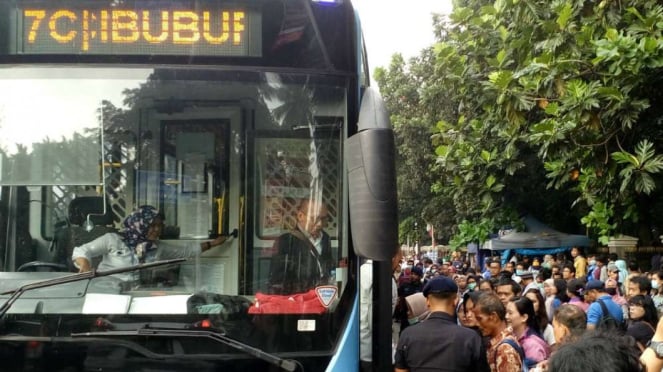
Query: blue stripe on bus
346,357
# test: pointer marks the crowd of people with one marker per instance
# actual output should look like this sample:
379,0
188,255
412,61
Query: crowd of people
551,313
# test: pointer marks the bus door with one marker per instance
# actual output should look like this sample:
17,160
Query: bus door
198,190
289,166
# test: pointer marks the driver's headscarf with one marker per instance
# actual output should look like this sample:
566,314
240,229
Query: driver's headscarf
136,227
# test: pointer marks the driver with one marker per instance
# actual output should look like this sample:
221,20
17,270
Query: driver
136,244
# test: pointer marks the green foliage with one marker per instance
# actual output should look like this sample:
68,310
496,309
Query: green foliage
406,229
515,91
639,167
401,86
599,219
471,232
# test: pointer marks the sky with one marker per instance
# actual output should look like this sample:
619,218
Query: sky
389,26
392,26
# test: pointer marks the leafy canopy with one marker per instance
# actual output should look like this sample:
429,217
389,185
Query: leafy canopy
532,102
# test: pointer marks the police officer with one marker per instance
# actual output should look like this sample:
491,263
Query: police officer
439,343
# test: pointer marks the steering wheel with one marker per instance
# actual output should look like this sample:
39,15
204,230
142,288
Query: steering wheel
34,265
109,285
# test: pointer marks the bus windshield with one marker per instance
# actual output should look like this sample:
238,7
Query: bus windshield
224,151
232,161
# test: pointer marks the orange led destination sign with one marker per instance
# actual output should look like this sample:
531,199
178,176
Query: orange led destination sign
221,32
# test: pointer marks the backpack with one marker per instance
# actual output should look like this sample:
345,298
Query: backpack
607,322
523,360
590,274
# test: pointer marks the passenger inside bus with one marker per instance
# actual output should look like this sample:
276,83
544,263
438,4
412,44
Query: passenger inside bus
302,256
136,244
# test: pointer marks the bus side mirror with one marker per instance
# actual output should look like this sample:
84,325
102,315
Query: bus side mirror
370,158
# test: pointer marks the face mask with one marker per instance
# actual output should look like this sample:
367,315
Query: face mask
520,272
654,284
592,263
611,291
471,286
540,285
413,321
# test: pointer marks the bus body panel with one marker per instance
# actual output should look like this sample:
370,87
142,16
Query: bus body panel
225,116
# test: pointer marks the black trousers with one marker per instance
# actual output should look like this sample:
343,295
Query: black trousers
365,366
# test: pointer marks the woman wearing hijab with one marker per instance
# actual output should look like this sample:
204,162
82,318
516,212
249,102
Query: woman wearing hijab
549,291
134,245
417,311
623,271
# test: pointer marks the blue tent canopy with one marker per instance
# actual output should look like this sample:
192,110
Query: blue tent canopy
538,240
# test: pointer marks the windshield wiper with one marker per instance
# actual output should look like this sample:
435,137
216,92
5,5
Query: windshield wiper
16,293
286,364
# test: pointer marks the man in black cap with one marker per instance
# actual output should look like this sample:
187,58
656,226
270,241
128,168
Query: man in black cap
421,348
414,285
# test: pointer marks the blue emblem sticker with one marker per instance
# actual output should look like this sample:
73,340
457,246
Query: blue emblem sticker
326,294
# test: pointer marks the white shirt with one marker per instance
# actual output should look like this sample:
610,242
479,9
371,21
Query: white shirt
317,242
549,335
366,309
115,254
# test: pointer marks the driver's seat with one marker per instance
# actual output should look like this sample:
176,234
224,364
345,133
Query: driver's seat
75,234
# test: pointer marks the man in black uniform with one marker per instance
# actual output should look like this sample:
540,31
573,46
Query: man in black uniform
303,258
438,343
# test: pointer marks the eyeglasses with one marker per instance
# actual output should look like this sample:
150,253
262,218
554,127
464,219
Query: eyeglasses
320,219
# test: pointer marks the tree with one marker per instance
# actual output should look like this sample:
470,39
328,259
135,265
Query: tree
401,86
562,91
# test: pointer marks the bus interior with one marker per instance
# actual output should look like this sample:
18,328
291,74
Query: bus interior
216,151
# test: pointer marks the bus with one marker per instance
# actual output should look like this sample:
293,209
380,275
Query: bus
225,116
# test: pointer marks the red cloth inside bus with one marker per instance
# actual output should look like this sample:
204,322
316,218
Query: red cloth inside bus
299,303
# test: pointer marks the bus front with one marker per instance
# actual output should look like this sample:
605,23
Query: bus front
227,118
